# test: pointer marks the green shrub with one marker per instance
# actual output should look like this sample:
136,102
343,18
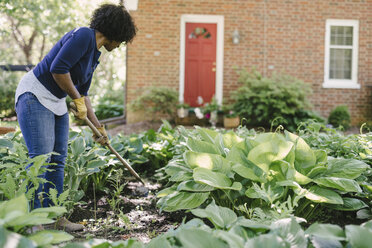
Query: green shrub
340,117
8,86
157,100
262,100
110,105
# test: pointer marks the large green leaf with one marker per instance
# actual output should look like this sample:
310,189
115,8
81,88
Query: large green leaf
197,238
345,168
232,239
267,240
17,205
184,200
166,191
328,231
207,135
305,158
350,204
265,153
11,239
180,176
358,236
215,179
230,139
193,186
243,166
47,237
281,170
31,219
178,172
202,146
290,231
343,184
237,153
221,217
320,242
301,179
263,138
96,164
257,226
51,211
78,146
248,173
321,156
208,161
159,241
6,143
174,167
320,195
317,171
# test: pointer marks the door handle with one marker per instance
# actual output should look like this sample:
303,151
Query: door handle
213,69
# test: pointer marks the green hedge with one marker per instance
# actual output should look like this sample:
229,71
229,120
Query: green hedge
8,86
279,100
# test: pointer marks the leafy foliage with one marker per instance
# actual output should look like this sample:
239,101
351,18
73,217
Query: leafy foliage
16,218
157,100
262,100
340,117
261,171
8,85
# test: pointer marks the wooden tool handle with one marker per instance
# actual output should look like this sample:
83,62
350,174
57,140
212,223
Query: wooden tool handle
98,134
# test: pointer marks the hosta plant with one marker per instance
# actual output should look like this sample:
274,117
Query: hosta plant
269,171
16,220
229,230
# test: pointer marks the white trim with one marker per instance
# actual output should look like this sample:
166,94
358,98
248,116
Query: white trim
131,4
219,20
339,83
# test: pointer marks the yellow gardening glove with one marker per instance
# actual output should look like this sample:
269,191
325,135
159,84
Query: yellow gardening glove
103,140
81,109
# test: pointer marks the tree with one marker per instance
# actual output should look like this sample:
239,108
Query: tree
30,24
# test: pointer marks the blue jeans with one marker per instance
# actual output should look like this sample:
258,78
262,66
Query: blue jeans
44,132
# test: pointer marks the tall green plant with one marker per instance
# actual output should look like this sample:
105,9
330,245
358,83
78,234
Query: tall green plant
261,100
15,217
261,171
14,179
8,85
157,100
340,117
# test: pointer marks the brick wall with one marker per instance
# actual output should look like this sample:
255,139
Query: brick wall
276,35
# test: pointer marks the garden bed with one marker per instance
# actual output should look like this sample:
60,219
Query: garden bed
139,217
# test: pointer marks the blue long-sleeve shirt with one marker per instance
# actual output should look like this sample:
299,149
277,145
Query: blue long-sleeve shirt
76,52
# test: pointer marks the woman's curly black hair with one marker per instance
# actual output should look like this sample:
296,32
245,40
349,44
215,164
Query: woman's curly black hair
114,22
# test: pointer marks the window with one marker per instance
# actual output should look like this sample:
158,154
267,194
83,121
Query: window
341,54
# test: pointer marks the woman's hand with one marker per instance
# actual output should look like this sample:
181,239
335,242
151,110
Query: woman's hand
81,108
103,140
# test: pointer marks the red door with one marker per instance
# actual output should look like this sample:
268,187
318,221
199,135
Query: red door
200,62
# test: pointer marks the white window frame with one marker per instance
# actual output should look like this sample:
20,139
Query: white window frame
342,83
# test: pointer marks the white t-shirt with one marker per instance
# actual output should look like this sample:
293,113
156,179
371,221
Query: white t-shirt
29,83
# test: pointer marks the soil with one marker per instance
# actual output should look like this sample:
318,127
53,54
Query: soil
136,216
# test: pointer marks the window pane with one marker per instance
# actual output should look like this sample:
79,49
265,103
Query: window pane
340,63
342,35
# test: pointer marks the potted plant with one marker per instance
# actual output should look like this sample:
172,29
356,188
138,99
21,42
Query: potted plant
231,118
210,111
183,110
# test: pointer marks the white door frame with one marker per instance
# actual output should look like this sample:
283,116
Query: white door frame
219,20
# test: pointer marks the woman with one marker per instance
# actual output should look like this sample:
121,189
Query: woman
66,70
